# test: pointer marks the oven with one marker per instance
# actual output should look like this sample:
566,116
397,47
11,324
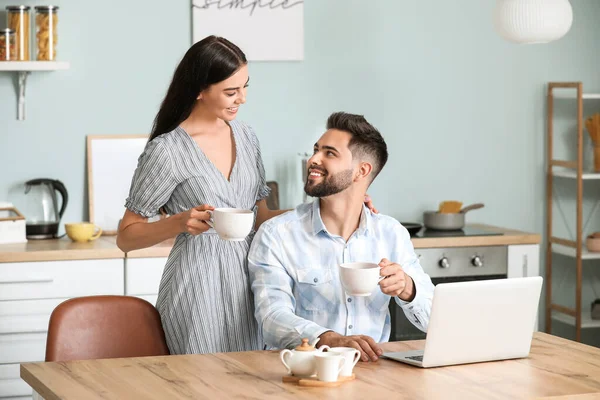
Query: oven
451,264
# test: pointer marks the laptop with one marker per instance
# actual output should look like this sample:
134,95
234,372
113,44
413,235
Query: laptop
478,321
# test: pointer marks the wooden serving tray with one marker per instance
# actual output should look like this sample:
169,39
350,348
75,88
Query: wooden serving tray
314,382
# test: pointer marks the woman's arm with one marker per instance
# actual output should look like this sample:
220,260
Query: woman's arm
135,232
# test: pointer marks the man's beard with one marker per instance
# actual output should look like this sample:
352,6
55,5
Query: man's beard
330,185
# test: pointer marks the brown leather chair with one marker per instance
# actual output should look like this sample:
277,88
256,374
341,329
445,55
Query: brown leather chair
95,327
273,198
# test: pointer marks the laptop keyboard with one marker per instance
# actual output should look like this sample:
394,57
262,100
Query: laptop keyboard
416,358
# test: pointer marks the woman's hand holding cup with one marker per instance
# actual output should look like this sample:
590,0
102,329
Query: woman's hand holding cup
193,221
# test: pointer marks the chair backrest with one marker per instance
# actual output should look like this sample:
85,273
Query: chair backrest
273,198
95,327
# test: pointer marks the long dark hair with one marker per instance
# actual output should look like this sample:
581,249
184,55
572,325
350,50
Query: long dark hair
209,61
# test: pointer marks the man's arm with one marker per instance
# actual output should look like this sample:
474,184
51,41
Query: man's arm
274,300
416,300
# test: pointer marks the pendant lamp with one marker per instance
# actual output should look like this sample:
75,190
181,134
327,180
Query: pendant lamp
532,21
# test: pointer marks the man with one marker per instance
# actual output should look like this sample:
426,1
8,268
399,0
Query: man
294,258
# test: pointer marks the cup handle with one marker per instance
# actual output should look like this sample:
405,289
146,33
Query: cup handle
282,357
324,347
97,234
210,222
381,277
356,358
342,365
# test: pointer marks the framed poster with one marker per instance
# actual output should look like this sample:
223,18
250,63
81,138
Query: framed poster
265,30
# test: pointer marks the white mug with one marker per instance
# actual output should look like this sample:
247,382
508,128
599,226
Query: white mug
350,354
329,366
232,224
360,278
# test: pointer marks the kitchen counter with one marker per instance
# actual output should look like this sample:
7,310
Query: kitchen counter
106,247
508,237
60,249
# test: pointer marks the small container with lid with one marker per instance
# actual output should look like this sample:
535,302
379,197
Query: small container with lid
46,20
8,50
301,361
18,20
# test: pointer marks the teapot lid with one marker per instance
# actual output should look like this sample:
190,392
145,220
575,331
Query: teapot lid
305,346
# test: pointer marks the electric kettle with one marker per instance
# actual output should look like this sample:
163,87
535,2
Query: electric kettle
42,215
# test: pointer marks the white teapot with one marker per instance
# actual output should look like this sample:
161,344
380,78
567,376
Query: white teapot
301,361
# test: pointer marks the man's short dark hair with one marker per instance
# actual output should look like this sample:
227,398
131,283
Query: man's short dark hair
366,141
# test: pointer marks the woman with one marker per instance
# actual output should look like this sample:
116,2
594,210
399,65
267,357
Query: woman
198,158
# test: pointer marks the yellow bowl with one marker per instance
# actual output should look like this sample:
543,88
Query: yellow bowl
83,231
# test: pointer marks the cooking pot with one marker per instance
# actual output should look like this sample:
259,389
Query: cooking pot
412,227
448,221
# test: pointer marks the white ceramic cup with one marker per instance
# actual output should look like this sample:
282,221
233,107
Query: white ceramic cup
329,366
231,223
350,354
360,278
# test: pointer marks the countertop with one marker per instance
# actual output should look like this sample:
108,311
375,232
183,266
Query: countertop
508,237
106,247
60,249
554,367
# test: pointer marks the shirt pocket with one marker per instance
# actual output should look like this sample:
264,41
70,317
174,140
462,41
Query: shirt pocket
316,292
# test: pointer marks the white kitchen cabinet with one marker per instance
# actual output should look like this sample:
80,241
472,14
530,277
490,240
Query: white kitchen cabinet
523,260
29,292
22,347
10,382
60,279
26,315
142,277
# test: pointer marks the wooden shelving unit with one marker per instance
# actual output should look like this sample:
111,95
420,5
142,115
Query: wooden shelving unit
579,317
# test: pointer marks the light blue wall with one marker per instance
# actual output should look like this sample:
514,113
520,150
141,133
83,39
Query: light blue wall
463,111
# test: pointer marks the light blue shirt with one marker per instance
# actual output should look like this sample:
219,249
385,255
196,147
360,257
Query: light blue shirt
293,266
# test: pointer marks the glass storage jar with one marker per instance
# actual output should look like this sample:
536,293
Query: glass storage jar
46,33
18,20
8,50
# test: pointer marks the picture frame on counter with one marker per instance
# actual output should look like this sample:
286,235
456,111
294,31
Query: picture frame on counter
111,162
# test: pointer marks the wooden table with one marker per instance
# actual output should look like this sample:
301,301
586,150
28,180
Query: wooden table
555,367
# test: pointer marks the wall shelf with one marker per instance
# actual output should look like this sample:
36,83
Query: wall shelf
31,66
570,252
573,174
23,69
586,319
565,93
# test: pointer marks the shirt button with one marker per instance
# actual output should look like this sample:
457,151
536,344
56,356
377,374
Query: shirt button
316,280
349,300
349,326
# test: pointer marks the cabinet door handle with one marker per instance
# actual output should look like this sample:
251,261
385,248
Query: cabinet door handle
40,280
525,262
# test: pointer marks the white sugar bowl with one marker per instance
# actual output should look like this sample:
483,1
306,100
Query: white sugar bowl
301,361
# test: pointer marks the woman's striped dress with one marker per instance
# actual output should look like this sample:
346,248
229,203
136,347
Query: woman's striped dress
204,297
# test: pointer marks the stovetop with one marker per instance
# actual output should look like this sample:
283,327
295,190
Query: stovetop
467,231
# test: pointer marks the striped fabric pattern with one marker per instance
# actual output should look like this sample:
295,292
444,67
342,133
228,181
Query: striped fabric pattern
204,297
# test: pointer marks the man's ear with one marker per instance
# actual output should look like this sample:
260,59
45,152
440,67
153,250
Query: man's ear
364,170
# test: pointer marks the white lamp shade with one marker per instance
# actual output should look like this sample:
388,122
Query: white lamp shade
532,21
